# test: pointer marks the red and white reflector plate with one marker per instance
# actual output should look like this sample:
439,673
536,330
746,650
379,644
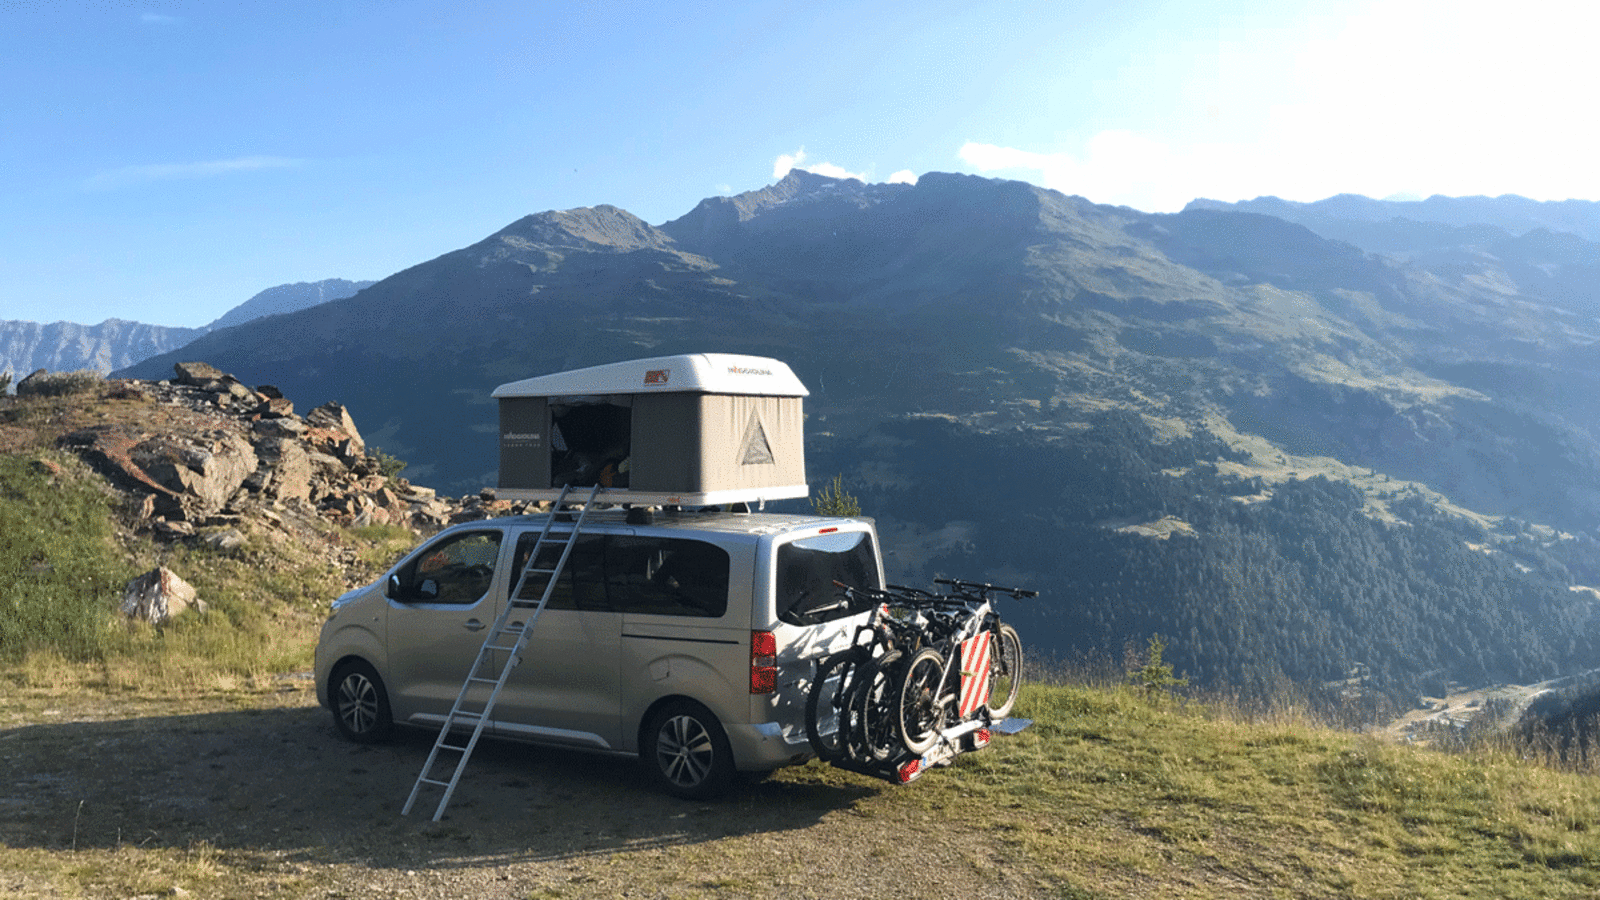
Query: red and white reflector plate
974,674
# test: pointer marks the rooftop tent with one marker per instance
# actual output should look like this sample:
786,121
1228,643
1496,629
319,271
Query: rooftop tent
693,430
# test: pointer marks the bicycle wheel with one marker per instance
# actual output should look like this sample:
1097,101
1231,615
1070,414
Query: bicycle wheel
871,705
920,714
1005,672
826,713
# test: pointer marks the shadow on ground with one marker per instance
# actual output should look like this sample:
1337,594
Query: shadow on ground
281,780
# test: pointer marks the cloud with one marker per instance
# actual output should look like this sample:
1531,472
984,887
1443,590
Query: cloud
1119,167
789,161
129,176
904,176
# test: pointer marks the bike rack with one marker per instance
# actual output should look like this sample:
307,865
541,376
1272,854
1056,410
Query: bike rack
953,741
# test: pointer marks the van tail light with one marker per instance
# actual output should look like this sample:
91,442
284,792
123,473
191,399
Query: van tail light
763,662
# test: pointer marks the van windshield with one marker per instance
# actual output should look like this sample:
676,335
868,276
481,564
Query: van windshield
808,568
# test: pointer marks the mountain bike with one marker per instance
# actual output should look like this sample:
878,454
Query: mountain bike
843,718
970,667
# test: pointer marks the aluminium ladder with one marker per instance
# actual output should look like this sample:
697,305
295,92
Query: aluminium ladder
462,713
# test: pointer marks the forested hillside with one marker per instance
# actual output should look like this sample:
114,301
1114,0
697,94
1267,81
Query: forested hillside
1254,585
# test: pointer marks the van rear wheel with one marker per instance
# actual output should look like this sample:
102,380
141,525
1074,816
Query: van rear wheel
686,752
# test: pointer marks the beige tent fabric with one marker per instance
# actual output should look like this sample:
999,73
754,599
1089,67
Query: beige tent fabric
751,442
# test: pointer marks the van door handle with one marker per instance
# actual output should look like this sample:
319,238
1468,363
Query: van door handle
472,625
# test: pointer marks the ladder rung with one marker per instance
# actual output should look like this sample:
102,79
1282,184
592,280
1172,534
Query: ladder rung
434,781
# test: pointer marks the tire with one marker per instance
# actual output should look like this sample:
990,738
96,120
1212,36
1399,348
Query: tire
873,703
827,715
686,752
919,713
360,703
1005,673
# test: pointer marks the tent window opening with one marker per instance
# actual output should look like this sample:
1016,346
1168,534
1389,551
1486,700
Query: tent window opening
589,444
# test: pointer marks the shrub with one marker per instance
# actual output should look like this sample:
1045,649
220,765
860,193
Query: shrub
388,466
833,501
1155,676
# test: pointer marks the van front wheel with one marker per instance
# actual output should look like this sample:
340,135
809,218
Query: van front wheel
686,752
360,704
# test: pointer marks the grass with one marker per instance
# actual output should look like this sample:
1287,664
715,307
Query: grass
58,559
1106,786
66,564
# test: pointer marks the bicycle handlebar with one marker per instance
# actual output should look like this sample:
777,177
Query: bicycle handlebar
984,587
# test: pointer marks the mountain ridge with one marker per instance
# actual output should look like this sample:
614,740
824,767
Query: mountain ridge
118,343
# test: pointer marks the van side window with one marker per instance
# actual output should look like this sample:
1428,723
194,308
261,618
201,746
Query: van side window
582,582
457,569
808,568
667,576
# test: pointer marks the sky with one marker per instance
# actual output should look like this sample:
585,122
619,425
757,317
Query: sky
163,162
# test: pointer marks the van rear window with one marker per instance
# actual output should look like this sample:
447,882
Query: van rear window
808,568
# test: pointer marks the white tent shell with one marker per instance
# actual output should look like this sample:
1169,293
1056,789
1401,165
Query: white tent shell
690,430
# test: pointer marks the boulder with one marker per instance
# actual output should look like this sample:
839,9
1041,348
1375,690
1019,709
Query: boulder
226,540
197,374
334,417
33,378
204,471
275,407
285,426
111,449
284,470
158,595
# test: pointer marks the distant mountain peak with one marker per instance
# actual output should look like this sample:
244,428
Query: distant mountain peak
715,218
591,228
288,298
797,186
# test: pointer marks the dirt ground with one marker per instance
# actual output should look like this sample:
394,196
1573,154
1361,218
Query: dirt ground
278,805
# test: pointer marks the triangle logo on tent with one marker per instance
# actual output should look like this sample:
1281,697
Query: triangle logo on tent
757,451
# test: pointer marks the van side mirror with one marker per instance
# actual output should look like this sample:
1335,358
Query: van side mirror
393,590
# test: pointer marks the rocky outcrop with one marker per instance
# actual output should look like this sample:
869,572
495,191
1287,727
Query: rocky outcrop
254,458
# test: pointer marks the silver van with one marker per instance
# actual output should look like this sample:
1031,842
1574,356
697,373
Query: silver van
688,641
